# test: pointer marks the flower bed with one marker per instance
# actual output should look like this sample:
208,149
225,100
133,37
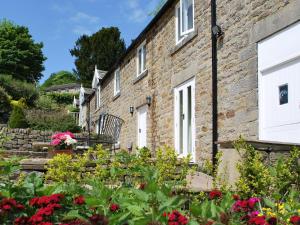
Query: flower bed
141,192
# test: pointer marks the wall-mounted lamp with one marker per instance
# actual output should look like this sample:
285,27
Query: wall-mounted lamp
217,31
131,109
148,100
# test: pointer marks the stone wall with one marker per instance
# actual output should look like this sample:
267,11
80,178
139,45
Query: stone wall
244,22
24,139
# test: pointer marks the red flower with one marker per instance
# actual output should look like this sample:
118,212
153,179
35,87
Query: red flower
98,219
210,222
79,200
114,207
295,220
175,218
9,204
36,219
45,200
258,220
142,186
21,221
236,197
215,194
272,221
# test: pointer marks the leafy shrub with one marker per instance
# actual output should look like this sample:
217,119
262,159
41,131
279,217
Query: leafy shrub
19,89
5,107
17,118
54,120
44,102
255,178
259,179
62,98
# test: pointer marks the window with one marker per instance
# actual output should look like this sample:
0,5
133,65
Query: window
184,119
184,19
117,82
283,94
141,59
98,97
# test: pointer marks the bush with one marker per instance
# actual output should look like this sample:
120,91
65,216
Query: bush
46,103
5,107
54,120
17,118
62,98
19,89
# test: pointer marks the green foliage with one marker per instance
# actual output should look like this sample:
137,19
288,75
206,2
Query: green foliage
102,48
19,89
54,120
61,77
62,98
20,55
45,102
63,169
4,105
17,118
255,178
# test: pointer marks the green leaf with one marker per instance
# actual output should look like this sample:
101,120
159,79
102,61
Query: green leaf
73,214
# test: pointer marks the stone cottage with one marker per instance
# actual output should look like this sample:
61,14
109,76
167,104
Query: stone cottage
164,88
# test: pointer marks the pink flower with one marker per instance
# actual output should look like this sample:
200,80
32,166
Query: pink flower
252,202
55,142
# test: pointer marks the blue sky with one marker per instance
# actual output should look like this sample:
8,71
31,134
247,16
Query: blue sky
59,23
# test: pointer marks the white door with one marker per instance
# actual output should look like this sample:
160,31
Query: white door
142,126
185,119
279,86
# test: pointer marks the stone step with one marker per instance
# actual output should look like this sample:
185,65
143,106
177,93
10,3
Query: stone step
33,154
41,146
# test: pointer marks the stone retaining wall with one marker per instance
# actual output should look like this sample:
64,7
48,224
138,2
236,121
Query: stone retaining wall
23,139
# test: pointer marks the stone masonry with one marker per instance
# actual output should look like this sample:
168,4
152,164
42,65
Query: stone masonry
244,23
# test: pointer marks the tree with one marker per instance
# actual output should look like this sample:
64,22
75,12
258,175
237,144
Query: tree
20,56
102,48
18,89
4,105
61,77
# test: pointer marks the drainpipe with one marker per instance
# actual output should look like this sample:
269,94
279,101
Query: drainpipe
214,40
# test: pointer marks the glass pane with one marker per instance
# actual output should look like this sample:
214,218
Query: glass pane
189,119
178,24
283,94
181,118
190,15
144,58
184,15
140,61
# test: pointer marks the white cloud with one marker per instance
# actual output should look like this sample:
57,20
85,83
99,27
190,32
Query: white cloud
138,14
80,30
81,17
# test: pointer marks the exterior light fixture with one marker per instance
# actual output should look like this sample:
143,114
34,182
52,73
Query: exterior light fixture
131,109
148,100
217,31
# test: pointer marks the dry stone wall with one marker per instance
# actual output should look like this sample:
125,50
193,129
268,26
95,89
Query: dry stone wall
24,139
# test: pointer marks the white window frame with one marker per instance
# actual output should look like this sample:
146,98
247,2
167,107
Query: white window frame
116,89
179,21
143,57
184,86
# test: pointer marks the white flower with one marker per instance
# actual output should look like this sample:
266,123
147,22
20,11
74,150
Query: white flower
70,141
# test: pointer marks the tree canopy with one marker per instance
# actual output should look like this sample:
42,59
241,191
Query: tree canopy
102,48
20,56
61,77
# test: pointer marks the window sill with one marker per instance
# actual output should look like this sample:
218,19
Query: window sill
116,96
140,77
184,42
